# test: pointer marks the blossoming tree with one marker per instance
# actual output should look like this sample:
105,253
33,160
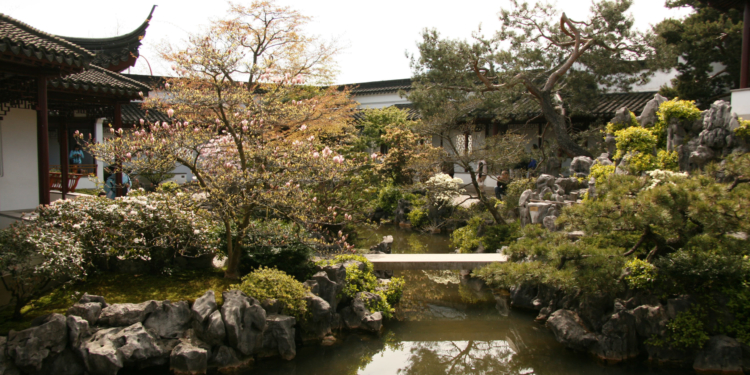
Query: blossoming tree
249,129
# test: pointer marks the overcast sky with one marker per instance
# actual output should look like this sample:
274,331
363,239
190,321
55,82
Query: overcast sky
377,33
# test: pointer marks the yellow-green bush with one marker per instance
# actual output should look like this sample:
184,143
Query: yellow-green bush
270,283
743,131
599,172
680,109
642,273
465,238
418,218
667,160
634,139
612,128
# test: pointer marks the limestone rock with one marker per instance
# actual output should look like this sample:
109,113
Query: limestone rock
721,355
650,320
384,246
101,354
187,359
522,296
318,324
204,306
581,166
63,363
569,331
244,320
126,314
89,311
549,223
30,347
7,367
137,346
648,116
280,336
328,290
78,331
618,341
373,322
169,320
88,298
545,180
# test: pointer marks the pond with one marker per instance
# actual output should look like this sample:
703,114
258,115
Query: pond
444,325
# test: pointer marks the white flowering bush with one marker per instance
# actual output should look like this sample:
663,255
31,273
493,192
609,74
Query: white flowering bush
33,257
155,227
659,177
442,188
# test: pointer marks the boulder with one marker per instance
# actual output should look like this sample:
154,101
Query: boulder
318,324
581,166
272,306
373,322
618,341
88,298
545,180
169,320
622,117
721,355
522,296
126,314
384,246
7,367
329,290
138,347
227,362
204,306
78,331
101,354
650,320
569,331
89,311
648,116
280,336
188,359
63,363
30,347
244,321
549,223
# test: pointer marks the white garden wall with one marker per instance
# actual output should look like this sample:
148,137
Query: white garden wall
19,186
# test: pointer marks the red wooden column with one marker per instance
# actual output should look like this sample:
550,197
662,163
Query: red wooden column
62,137
42,138
119,190
745,64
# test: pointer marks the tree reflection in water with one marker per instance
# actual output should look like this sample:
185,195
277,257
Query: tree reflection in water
461,357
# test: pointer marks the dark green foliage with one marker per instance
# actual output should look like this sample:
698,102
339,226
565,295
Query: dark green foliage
275,244
685,331
495,237
270,283
701,40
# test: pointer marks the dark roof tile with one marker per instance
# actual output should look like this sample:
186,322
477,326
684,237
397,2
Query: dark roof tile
101,80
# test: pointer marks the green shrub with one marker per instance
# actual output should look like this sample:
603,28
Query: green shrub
514,191
365,281
642,274
418,218
739,307
611,128
634,139
685,331
465,239
599,172
743,131
667,160
388,198
270,283
496,236
168,187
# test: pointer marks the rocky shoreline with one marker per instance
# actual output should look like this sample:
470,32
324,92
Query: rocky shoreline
619,331
98,338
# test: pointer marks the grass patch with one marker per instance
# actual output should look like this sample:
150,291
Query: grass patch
93,192
122,288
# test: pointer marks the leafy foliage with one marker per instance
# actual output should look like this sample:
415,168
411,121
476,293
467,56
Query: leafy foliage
634,139
743,131
641,275
418,218
599,172
466,239
685,331
270,283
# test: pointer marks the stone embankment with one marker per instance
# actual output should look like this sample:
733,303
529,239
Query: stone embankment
98,338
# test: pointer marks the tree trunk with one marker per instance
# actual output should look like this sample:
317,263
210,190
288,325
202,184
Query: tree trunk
558,122
233,254
17,309
483,198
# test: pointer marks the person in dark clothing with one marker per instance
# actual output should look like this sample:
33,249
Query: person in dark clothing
502,185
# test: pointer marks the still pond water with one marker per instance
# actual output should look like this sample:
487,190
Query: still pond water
444,326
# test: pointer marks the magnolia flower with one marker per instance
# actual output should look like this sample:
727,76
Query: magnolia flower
288,183
142,121
218,121
244,122
140,93
197,231
196,130
170,112
303,127
77,132
185,123
374,156
311,138
245,128
316,154
227,165
128,155
166,85
338,159
315,199
111,130
76,226
326,152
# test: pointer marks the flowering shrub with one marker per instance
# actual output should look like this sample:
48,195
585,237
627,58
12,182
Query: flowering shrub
442,188
33,257
270,283
154,226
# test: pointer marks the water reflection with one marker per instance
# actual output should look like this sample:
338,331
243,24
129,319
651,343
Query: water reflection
445,324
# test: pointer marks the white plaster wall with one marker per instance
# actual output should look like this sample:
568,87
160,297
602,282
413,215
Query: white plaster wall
19,185
379,100
741,103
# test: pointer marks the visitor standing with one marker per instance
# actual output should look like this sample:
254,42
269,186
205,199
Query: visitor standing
110,186
75,158
502,184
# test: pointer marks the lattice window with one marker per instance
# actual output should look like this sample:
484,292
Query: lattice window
464,143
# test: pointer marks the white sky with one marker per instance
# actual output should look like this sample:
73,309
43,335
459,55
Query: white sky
377,33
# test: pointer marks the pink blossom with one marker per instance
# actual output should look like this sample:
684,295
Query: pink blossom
140,93
196,130
185,123
170,112
316,155
311,138
326,152
315,199
77,132
111,130
289,183
303,127
374,156
218,121
142,121
245,128
244,122
128,155
166,85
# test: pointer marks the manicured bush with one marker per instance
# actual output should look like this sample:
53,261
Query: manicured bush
599,172
37,255
155,227
270,283
634,139
465,239
418,218
641,274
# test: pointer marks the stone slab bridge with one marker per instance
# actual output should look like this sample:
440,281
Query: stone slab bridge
450,261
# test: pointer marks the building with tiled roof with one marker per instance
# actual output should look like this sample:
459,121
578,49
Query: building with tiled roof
51,87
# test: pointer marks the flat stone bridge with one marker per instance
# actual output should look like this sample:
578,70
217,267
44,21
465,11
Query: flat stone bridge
433,261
